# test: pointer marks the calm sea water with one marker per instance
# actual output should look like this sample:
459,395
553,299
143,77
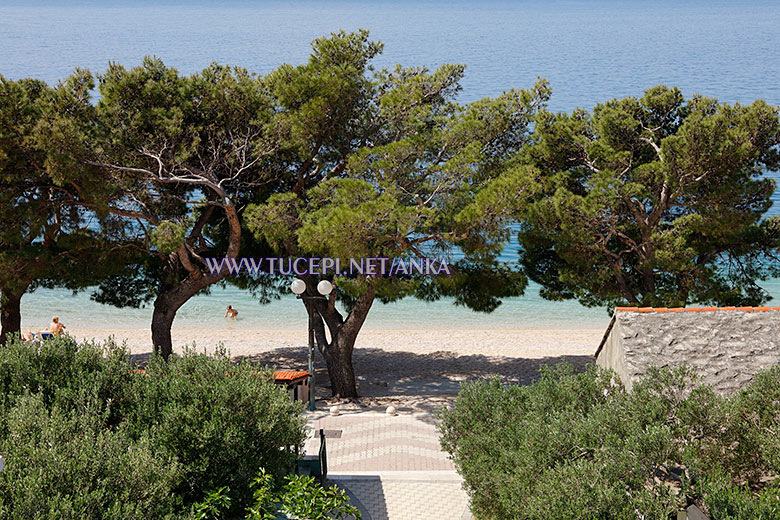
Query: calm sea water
591,51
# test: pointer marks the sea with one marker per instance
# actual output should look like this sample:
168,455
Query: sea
589,50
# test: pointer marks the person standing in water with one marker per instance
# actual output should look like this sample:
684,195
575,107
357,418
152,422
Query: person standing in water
231,312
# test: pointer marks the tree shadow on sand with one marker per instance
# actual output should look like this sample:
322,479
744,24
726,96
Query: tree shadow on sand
416,382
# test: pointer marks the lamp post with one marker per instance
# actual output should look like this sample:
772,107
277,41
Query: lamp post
298,286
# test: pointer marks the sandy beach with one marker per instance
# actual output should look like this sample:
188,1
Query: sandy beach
532,343
412,369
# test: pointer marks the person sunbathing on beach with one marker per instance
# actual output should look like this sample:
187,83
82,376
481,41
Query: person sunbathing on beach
28,336
55,327
231,312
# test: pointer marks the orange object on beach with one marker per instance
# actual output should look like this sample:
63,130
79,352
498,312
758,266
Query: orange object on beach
290,376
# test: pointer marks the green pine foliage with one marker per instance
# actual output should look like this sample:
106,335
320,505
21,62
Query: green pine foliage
577,446
48,207
651,201
84,436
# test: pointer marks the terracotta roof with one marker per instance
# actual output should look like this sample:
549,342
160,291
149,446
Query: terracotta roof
694,309
280,376
285,376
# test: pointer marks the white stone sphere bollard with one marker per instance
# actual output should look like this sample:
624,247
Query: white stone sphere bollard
391,410
334,410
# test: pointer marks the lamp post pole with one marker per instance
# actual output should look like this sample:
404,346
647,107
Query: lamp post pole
298,286
310,309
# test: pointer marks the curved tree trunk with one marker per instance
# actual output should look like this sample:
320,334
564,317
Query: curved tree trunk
171,297
168,302
10,314
162,321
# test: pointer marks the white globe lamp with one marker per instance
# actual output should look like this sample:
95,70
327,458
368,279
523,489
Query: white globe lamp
324,287
298,286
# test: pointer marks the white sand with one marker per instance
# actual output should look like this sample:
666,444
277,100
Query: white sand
529,343
415,370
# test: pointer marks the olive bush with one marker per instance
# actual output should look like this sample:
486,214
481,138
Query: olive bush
84,435
578,446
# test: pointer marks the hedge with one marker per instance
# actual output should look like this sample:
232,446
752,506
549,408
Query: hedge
578,446
85,436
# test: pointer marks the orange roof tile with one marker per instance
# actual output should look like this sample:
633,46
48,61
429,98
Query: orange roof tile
290,375
695,309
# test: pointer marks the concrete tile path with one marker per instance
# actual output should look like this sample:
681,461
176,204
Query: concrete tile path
391,466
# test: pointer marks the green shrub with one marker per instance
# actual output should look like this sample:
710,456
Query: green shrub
84,436
61,371
729,501
69,465
300,498
578,446
220,420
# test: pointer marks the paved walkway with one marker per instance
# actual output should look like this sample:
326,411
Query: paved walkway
391,466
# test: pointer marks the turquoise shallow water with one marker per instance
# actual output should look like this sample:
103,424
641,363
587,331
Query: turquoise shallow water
529,311
288,313
590,51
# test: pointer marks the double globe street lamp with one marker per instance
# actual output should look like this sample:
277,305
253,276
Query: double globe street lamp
324,288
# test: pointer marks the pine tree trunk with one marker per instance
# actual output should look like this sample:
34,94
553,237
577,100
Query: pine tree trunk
338,356
10,315
167,304
162,321
171,297
338,352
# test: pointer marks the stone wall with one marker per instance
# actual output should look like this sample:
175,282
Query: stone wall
726,347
